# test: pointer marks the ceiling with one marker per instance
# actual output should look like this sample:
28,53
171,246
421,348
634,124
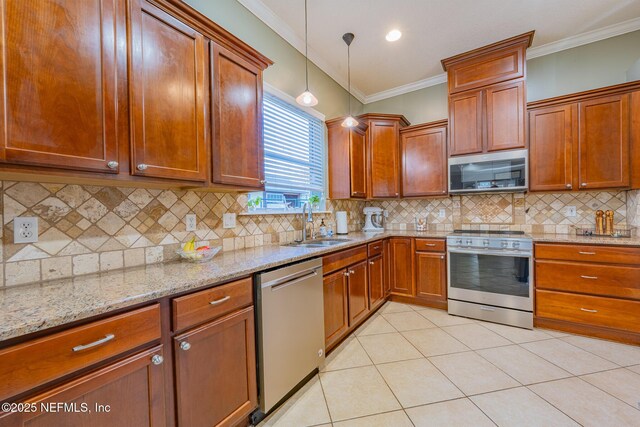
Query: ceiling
433,30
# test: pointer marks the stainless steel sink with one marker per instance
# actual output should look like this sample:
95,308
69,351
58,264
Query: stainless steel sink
318,243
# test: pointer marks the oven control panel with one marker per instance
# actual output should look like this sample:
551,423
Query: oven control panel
494,243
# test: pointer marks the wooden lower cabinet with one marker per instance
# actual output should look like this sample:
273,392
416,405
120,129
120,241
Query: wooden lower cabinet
358,292
431,278
376,281
129,392
401,266
216,371
336,311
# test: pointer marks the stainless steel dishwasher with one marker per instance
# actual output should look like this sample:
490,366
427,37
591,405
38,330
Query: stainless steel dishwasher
290,329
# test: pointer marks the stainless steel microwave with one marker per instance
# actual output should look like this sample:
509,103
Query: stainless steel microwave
505,171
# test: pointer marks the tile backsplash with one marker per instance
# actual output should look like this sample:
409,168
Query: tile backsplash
88,229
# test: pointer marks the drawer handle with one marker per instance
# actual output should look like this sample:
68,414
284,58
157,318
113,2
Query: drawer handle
590,277
376,247
588,310
586,253
101,341
429,244
221,300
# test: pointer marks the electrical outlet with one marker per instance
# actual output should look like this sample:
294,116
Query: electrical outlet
25,229
442,213
571,211
229,220
190,222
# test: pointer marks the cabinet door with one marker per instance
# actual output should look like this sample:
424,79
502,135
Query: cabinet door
424,162
465,123
505,116
386,261
59,83
167,96
237,153
553,135
604,142
401,260
431,276
358,292
338,164
336,311
216,371
126,393
376,281
384,160
358,163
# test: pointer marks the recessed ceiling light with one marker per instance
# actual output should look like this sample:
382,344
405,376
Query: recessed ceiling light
393,35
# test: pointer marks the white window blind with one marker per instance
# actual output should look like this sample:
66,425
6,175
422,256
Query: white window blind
293,148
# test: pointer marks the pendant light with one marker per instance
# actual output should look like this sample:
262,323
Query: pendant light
349,122
306,98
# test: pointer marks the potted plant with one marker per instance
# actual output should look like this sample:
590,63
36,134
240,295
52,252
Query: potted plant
315,201
254,203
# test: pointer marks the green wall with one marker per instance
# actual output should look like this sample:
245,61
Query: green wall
590,66
287,72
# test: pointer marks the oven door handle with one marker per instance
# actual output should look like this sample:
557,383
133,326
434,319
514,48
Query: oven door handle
523,254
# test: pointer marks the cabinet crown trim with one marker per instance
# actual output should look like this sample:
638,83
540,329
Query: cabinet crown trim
421,126
381,116
587,94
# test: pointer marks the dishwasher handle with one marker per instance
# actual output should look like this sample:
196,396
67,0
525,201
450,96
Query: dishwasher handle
290,280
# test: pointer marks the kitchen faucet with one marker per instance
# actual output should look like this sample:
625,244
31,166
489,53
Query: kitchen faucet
309,220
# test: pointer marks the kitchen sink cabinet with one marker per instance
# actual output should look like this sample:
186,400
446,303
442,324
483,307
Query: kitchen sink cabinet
129,392
336,308
431,273
423,150
401,258
61,96
347,160
216,371
487,97
383,154
237,148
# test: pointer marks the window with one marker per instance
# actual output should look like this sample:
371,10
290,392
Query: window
293,156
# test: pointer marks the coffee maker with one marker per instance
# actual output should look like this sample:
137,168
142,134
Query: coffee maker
374,219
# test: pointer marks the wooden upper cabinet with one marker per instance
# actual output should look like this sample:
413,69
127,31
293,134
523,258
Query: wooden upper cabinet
168,96
487,97
383,148
347,160
553,136
424,159
505,116
466,123
59,71
604,142
237,153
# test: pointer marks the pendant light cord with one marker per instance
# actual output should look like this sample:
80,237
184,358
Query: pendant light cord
306,48
349,75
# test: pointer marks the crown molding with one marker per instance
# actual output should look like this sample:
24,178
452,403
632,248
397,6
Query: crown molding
266,15
273,21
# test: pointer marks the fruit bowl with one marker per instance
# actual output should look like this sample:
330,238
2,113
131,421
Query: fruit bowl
199,255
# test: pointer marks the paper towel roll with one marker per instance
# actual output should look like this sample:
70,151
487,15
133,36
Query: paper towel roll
341,223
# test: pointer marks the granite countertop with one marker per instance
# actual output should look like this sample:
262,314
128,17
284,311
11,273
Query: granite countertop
32,308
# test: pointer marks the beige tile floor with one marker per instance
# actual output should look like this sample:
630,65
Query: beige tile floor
414,366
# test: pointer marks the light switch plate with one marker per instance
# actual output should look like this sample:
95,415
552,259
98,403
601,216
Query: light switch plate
229,220
571,211
25,229
190,222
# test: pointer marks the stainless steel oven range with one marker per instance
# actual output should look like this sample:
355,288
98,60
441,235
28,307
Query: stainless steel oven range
490,276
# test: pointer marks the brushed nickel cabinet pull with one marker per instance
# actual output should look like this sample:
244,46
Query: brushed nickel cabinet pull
157,359
590,277
371,262
220,301
346,273
101,341
586,253
185,346
352,272
112,164
588,310
142,167
429,244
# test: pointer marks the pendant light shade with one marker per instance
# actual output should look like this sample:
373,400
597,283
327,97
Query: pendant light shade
306,98
349,122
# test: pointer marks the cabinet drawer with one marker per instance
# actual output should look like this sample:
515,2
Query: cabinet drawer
343,259
375,248
34,363
198,307
589,310
597,279
430,245
588,253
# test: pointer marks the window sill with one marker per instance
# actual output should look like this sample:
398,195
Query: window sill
261,213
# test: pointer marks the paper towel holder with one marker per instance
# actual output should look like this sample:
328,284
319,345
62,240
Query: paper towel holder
342,227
